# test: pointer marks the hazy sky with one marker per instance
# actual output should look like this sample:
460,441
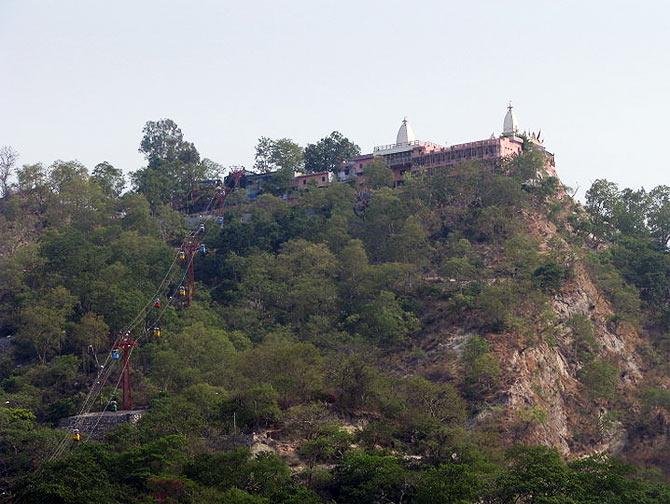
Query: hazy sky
78,79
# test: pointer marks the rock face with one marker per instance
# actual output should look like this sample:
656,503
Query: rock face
541,398
546,375
98,424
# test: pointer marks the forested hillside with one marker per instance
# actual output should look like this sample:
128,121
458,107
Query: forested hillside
472,336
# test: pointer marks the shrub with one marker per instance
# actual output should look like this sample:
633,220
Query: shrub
600,379
549,277
584,338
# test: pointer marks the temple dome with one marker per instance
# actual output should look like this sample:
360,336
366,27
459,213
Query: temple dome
405,133
510,124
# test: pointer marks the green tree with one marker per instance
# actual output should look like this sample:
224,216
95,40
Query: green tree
659,214
163,142
534,475
294,369
480,366
363,477
251,408
280,154
329,153
89,336
110,179
43,322
378,174
8,158
383,320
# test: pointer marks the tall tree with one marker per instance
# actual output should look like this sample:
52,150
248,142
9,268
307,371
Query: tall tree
110,179
281,154
8,157
163,141
329,153
173,165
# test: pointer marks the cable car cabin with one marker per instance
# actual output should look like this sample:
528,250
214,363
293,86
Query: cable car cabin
75,436
181,292
181,255
220,220
157,303
201,228
156,332
116,354
202,249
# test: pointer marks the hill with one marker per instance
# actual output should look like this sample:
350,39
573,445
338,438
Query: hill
474,335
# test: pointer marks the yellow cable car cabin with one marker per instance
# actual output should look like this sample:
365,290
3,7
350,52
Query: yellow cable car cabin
156,332
182,291
181,255
75,436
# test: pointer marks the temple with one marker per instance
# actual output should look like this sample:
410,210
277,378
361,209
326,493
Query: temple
408,154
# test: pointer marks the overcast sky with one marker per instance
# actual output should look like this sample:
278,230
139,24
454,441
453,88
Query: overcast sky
78,79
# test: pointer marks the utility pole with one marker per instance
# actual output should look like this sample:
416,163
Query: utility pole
191,247
126,345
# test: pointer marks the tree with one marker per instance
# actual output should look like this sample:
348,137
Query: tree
173,168
43,322
659,214
295,370
453,484
378,174
370,478
253,407
8,157
281,154
90,334
110,179
329,153
480,366
535,474
383,320
163,142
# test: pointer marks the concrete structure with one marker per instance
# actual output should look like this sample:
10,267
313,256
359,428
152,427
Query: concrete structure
319,179
98,424
411,155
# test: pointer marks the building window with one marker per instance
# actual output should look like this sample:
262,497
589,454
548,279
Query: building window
304,181
323,179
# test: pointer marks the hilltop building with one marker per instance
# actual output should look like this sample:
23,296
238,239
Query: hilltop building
408,154
411,155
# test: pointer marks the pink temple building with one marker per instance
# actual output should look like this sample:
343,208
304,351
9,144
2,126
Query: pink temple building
408,154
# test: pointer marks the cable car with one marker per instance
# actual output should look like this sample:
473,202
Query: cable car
157,303
156,332
202,249
76,436
201,228
181,255
116,354
181,291
220,220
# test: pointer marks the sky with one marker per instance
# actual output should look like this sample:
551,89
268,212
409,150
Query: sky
78,79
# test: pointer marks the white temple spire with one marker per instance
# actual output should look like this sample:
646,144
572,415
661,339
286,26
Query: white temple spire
510,124
405,133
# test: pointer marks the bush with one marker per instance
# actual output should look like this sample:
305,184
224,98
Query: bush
329,446
481,368
549,277
252,408
584,338
600,379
